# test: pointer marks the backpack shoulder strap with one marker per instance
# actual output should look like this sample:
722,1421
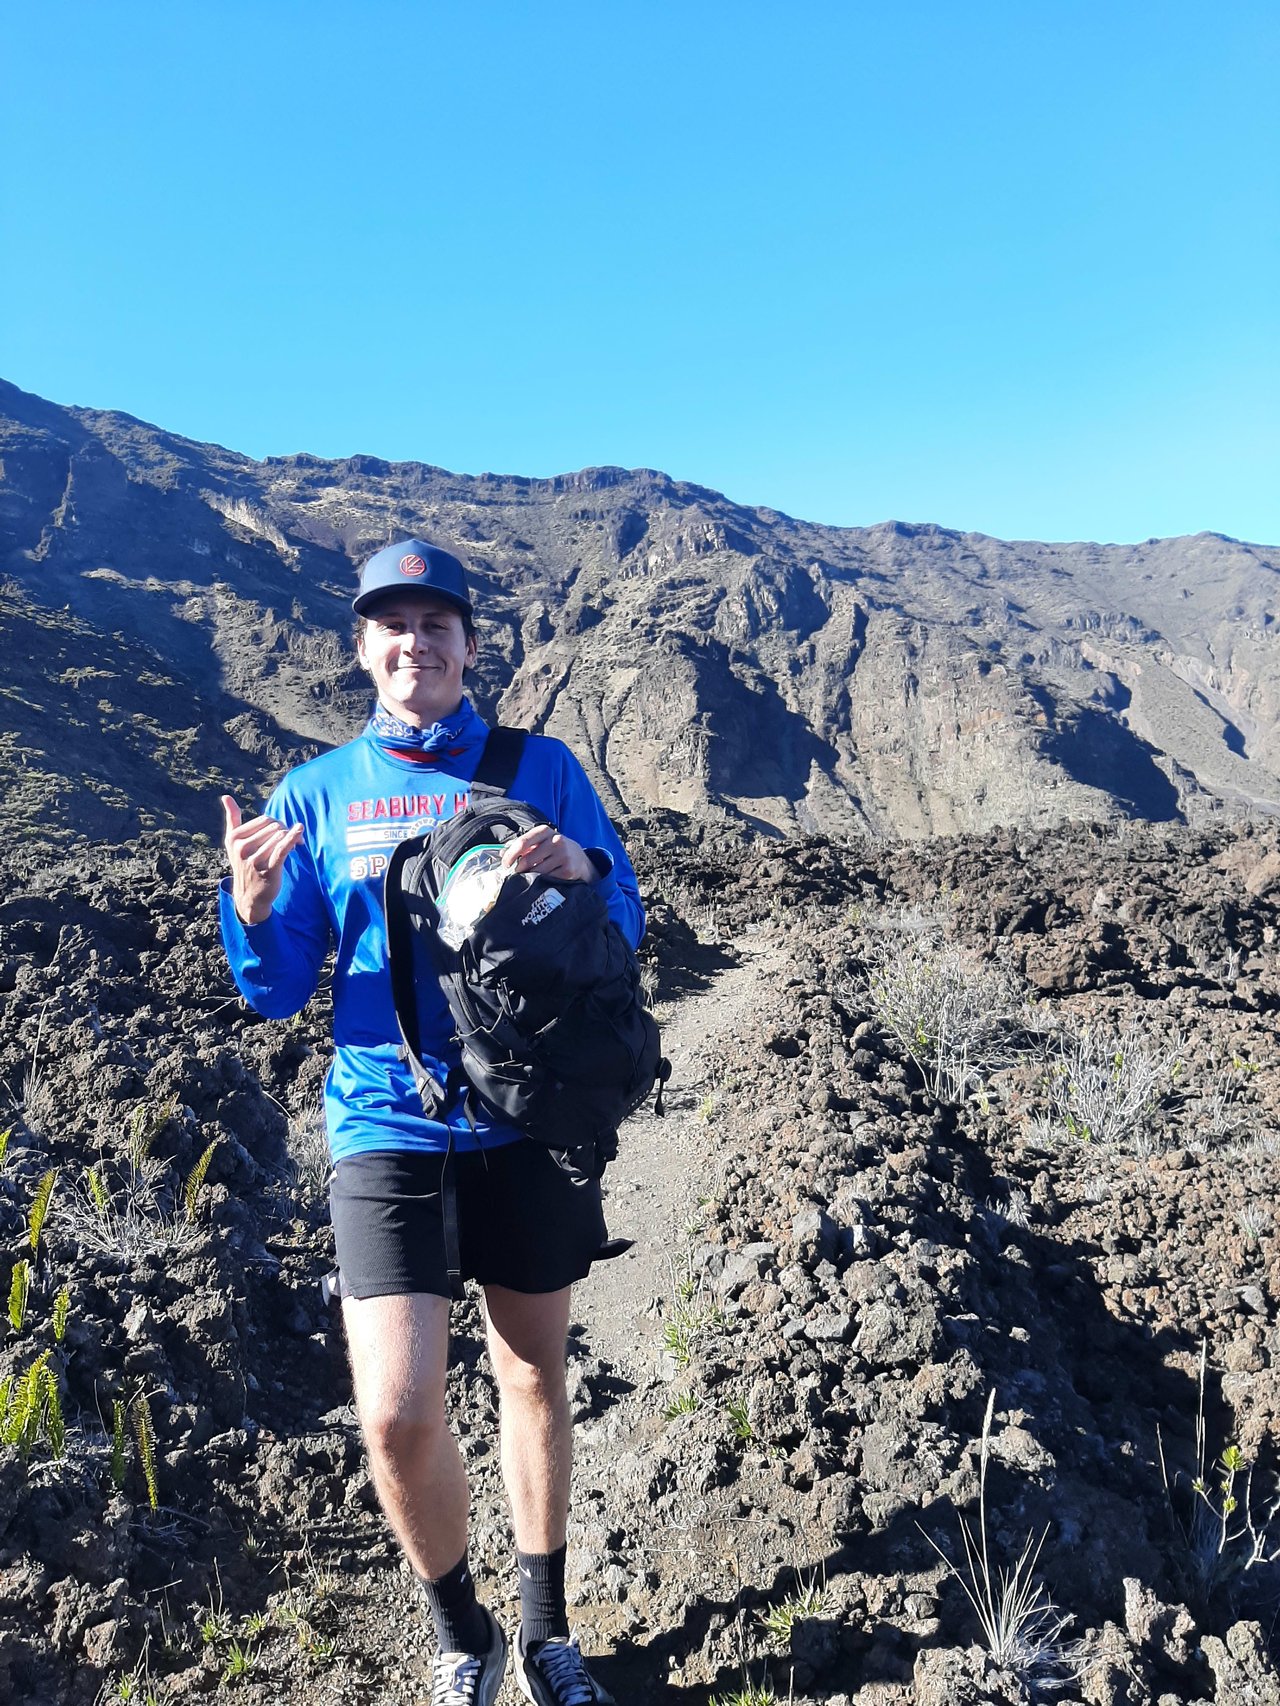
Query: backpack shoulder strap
398,900
499,761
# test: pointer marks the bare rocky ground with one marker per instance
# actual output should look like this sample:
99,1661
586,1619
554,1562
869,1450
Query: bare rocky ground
780,1391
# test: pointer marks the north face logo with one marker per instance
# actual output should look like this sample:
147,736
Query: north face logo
543,907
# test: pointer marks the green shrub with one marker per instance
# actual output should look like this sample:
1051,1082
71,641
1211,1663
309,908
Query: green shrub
954,1013
1109,1086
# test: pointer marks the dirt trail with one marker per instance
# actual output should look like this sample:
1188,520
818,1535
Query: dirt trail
664,1167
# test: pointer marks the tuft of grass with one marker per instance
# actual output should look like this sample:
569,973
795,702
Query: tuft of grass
320,1650
1015,1210
5,1135
40,1209
130,1691
1021,1625
125,1207
811,1599
308,1145
750,1694
691,1311
242,1661
61,1313
677,1341
34,1100
684,1404
135,1687
321,1581
739,1413
215,1626
1253,1220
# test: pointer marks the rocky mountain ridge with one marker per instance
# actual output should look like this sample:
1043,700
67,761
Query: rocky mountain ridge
176,620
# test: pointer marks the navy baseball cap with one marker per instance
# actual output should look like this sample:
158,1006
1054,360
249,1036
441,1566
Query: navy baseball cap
411,565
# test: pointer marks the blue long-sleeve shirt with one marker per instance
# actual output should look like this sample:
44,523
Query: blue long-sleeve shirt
356,804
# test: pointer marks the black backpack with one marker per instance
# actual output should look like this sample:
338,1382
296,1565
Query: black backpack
544,988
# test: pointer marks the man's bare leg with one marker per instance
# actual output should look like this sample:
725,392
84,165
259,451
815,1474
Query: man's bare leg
399,1348
527,1348
527,1334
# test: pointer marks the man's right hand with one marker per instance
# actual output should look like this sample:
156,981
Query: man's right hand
256,852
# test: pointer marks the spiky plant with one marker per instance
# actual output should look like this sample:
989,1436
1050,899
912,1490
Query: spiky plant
99,1195
40,1208
195,1183
19,1291
117,1444
24,1408
144,1432
55,1428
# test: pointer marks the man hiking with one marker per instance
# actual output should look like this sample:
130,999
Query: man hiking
305,878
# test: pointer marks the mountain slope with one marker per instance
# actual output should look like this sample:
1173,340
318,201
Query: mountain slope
699,655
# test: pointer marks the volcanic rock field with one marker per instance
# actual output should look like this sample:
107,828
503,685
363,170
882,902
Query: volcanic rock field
1016,1268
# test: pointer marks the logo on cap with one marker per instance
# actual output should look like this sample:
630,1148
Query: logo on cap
412,566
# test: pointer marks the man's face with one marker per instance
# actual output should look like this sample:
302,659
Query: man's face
415,647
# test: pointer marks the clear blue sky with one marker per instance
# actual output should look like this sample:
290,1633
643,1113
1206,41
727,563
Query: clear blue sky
1004,266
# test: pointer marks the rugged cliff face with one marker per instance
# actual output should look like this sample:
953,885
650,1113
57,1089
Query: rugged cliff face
176,619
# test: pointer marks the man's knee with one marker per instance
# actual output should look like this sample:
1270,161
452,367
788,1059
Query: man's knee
527,1338
401,1427
522,1382
399,1353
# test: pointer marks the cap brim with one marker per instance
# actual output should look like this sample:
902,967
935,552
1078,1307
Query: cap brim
364,603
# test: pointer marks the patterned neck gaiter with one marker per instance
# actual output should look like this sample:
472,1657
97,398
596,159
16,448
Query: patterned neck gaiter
423,746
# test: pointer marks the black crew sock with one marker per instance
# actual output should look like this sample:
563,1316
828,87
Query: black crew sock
461,1625
542,1608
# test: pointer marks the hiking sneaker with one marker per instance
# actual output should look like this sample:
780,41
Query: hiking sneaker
471,1679
554,1674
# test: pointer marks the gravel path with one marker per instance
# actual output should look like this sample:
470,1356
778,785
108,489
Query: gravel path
664,1167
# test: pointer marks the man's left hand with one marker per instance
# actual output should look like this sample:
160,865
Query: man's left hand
545,852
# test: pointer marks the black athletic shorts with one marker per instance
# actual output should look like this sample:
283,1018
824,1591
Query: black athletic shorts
522,1221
